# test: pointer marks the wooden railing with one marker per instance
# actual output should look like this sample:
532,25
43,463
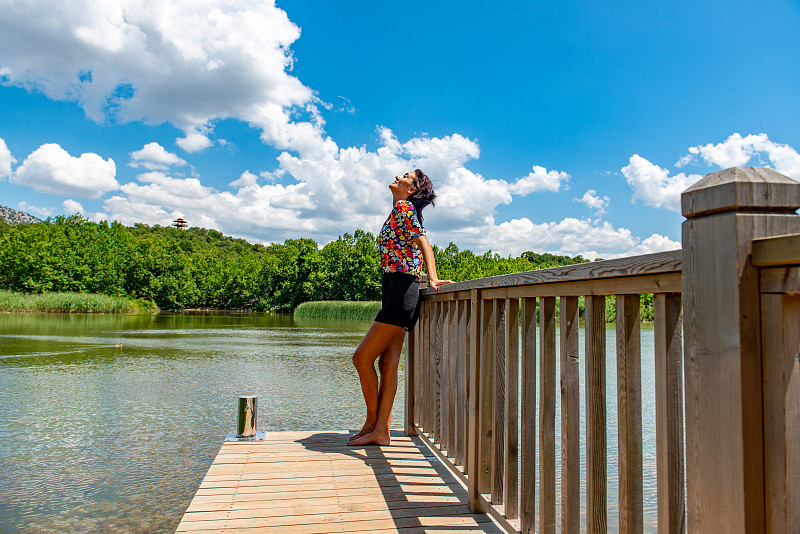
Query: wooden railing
473,386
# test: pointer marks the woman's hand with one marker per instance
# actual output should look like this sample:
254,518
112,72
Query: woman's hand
435,283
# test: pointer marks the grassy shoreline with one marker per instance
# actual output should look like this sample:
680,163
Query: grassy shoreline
338,309
12,301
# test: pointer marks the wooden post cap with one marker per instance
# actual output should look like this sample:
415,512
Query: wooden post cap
745,189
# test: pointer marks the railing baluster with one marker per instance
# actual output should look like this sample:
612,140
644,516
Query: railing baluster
431,327
547,416
444,436
437,357
570,418
476,380
452,382
462,367
498,393
528,415
511,409
486,397
780,342
418,373
430,363
596,481
669,413
629,415
411,366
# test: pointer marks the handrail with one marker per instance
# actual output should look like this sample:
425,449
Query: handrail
777,251
648,264
733,288
467,342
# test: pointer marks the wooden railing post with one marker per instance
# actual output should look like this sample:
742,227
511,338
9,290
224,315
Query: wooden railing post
436,360
486,408
411,337
596,466
669,413
499,396
629,415
473,417
445,386
780,327
427,309
528,418
453,358
462,378
570,418
511,410
725,468
547,415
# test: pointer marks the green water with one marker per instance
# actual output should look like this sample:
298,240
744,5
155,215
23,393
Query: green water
97,438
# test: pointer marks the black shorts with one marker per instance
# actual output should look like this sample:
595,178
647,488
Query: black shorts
400,300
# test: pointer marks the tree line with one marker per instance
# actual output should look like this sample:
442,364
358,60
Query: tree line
201,268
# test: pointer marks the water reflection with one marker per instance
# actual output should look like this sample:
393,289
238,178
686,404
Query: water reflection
97,437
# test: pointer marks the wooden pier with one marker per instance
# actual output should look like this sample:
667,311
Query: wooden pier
483,387
312,482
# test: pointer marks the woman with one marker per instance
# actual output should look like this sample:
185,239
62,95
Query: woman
403,247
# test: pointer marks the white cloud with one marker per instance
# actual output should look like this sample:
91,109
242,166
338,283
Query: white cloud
50,169
153,156
187,63
72,207
194,63
569,236
246,179
654,186
594,202
6,160
36,210
539,180
654,243
193,142
342,189
736,151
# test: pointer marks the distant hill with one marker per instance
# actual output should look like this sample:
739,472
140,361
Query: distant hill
12,216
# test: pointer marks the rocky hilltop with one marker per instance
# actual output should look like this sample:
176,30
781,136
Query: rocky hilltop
12,216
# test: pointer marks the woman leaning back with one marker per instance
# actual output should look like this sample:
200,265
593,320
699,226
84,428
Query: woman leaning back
403,248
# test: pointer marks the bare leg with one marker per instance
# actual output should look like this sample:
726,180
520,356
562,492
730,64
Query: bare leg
379,338
388,363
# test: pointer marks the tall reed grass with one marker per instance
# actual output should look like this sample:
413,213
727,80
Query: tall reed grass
338,309
12,301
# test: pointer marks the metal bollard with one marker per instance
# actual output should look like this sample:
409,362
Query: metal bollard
246,421
246,427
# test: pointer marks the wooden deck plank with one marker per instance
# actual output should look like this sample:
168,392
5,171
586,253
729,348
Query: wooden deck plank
350,484
376,500
386,491
257,478
311,482
467,523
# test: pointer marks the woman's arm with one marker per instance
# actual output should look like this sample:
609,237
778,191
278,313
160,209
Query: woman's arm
427,255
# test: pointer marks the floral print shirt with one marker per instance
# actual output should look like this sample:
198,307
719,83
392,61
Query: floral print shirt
399,253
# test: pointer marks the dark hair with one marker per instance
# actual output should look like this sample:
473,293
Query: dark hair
423,192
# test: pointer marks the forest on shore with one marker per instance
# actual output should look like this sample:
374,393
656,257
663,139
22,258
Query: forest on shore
201,268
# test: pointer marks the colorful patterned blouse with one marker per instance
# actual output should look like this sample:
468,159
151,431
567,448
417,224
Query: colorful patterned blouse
399,253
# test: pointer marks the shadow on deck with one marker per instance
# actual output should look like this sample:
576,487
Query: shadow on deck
312,482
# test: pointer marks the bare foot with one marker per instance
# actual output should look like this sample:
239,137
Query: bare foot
375,437
366,429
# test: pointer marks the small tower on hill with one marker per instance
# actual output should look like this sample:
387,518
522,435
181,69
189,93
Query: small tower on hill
180,223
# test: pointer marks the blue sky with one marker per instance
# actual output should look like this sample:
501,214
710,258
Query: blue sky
566,127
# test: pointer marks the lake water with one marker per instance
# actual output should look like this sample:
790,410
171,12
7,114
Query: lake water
98,438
